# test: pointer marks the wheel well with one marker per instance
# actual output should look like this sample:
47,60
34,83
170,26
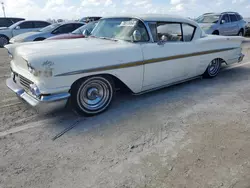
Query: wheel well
39,39
216,32
221,60
242,30
119,85
1,35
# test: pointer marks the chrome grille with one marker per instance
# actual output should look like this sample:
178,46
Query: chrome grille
25,82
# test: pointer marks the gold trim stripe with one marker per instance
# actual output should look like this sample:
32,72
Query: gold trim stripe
138,63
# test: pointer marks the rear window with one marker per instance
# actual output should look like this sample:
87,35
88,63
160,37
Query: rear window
233,17
5,22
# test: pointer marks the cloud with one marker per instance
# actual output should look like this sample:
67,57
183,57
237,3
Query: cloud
75,9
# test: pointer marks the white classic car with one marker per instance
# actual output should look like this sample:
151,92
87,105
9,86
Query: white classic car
141,53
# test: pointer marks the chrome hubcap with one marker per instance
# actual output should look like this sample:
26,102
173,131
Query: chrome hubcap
214,67
94,95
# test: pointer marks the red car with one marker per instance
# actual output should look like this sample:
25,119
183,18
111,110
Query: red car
78,33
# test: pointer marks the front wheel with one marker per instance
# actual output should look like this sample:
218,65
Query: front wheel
240,33
92,95
3,41
213,68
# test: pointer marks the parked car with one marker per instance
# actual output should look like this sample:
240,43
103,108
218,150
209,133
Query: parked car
131,52
78,33
90,19
18,28
248,27
7,21
49,31
226,23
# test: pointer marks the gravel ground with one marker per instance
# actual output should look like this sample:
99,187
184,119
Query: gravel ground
195,134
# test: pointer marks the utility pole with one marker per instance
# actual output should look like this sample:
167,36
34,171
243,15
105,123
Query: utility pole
3,9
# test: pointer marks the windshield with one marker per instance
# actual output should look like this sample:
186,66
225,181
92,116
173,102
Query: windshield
50,28
90,26
120,28
208,19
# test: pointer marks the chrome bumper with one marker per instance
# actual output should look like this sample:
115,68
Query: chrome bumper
32,100
241,58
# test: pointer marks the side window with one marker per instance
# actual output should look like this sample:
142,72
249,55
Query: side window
169,32
188,32
26,25
232,17
41,24
67,28
239,17
226,18
76,26
142,29
153,30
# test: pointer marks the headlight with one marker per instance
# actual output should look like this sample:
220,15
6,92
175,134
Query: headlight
31,69
35,90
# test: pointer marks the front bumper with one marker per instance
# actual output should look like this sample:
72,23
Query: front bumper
33,100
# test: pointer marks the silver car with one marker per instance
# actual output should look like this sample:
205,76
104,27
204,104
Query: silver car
50,31
6,33
226,23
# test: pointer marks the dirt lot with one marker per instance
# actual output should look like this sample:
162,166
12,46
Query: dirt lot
192,135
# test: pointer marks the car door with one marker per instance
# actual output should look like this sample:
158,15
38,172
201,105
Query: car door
169,59
234,24
23,27
225,27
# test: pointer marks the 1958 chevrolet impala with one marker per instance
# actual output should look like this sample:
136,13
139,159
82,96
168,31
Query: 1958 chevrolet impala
143,53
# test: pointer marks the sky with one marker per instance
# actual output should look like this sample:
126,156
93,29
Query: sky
75,9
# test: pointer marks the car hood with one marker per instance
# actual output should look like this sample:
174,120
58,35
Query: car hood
60,47
66,36
25,35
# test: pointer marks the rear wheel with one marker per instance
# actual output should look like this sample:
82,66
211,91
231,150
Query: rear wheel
92,95
215,33
213,68
3,40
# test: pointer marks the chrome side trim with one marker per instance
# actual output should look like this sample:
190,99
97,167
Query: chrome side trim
138,63
167,85
33,101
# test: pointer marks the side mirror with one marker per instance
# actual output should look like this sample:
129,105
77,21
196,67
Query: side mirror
136,36
17,27
223,21
86,33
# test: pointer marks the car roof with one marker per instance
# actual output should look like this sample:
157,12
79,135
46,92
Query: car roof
32,21
11,17
158,18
